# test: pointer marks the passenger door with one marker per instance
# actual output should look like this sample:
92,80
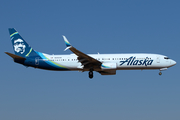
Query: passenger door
158,59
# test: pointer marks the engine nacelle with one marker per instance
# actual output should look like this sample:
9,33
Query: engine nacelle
107,66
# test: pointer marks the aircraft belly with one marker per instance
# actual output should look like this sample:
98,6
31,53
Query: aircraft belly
137,67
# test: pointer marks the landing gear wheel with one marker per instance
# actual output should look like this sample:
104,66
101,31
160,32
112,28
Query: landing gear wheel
91,74
160,73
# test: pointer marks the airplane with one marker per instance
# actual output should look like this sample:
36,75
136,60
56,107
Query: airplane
105,64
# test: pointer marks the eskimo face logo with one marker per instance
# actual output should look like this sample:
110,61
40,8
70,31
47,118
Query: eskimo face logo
19,46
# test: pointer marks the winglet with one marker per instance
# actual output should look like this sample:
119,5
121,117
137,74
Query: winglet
67,43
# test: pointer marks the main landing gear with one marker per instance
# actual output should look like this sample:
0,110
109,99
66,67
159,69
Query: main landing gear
91,73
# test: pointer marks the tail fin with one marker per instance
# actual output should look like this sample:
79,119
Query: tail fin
20,46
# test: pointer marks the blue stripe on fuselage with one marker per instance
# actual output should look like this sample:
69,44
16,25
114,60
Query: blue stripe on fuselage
50,63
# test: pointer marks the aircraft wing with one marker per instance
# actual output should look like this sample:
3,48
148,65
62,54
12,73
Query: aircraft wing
85,59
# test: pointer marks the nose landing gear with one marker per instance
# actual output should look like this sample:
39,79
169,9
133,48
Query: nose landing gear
160,73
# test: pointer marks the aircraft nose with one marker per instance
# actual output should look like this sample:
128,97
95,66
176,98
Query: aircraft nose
173,62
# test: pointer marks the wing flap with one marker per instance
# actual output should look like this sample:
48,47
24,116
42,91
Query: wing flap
108,72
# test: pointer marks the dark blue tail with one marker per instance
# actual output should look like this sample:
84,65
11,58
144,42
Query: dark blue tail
20,46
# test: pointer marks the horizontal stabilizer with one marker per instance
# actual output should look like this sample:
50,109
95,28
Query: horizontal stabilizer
15,56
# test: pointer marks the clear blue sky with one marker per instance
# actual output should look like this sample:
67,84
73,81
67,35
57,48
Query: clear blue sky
113,26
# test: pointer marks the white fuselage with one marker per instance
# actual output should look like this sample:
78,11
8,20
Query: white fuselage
121,61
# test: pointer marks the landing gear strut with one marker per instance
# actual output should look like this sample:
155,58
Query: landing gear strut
91,73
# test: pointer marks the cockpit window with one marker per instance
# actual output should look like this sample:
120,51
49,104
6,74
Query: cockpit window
166,58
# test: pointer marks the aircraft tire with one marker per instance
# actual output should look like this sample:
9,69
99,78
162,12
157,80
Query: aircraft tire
90,74
160,73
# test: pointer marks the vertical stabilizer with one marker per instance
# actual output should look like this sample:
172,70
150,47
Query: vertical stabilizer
20,46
